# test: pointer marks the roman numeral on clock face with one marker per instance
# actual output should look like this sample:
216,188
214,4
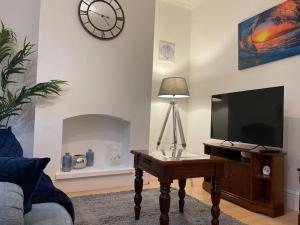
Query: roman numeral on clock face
85,2
83,13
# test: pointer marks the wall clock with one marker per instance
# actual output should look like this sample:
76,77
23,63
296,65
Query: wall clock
103,19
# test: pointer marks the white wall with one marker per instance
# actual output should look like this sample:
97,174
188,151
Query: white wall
172,23
106,77
214,69
23,18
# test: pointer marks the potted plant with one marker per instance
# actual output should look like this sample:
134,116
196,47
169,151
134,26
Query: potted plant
13,96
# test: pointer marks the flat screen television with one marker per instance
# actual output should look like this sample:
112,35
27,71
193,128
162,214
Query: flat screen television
253,117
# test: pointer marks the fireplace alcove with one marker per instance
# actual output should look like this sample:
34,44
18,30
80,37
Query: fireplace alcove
106,135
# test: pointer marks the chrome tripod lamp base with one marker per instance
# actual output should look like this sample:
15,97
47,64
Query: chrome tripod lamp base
174,88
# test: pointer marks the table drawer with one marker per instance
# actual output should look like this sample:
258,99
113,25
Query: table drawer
148,165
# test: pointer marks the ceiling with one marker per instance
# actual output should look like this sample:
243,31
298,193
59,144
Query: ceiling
189,4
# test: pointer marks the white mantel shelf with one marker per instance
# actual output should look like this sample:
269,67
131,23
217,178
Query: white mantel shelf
92,172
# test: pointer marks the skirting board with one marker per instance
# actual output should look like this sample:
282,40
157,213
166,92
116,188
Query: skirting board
292,199
97,183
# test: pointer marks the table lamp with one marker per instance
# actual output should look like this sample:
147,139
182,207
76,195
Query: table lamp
173,88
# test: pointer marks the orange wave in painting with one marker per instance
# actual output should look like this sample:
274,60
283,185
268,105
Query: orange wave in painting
269,30
267,34
287,9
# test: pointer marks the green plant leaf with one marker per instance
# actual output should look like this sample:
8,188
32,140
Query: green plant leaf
12,64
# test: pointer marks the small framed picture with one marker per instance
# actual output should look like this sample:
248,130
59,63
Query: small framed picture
166,51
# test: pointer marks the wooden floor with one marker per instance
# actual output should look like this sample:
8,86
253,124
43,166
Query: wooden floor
194,188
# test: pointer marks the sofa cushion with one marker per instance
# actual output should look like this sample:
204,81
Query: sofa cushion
46,192
24,172
9,145
11,204
48,214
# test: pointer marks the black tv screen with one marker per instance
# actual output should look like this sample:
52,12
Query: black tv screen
254,117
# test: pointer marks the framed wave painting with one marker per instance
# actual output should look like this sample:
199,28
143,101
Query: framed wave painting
270,36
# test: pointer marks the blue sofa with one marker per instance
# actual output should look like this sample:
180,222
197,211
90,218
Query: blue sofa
48,214
12,211
27,195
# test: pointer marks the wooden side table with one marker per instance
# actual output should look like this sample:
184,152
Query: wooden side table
299,202
167,169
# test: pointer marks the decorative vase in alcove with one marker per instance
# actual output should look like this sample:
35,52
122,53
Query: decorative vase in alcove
67,162
114,155
79,161
9,145
90,158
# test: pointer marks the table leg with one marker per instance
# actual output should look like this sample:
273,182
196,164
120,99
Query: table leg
164,202
138,186
215,198
181,194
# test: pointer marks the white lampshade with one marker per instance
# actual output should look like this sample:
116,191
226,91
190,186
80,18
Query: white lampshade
174,87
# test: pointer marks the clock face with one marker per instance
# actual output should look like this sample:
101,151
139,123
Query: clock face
104,19
266,170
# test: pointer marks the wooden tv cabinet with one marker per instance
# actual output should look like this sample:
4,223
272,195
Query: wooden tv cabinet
244,183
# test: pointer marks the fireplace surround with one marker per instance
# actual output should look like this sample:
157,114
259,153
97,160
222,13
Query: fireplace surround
108,81
107,136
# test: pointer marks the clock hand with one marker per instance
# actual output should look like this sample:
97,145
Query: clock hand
96,12
105,20
102,16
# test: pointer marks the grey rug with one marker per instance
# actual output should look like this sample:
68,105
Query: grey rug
118,209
